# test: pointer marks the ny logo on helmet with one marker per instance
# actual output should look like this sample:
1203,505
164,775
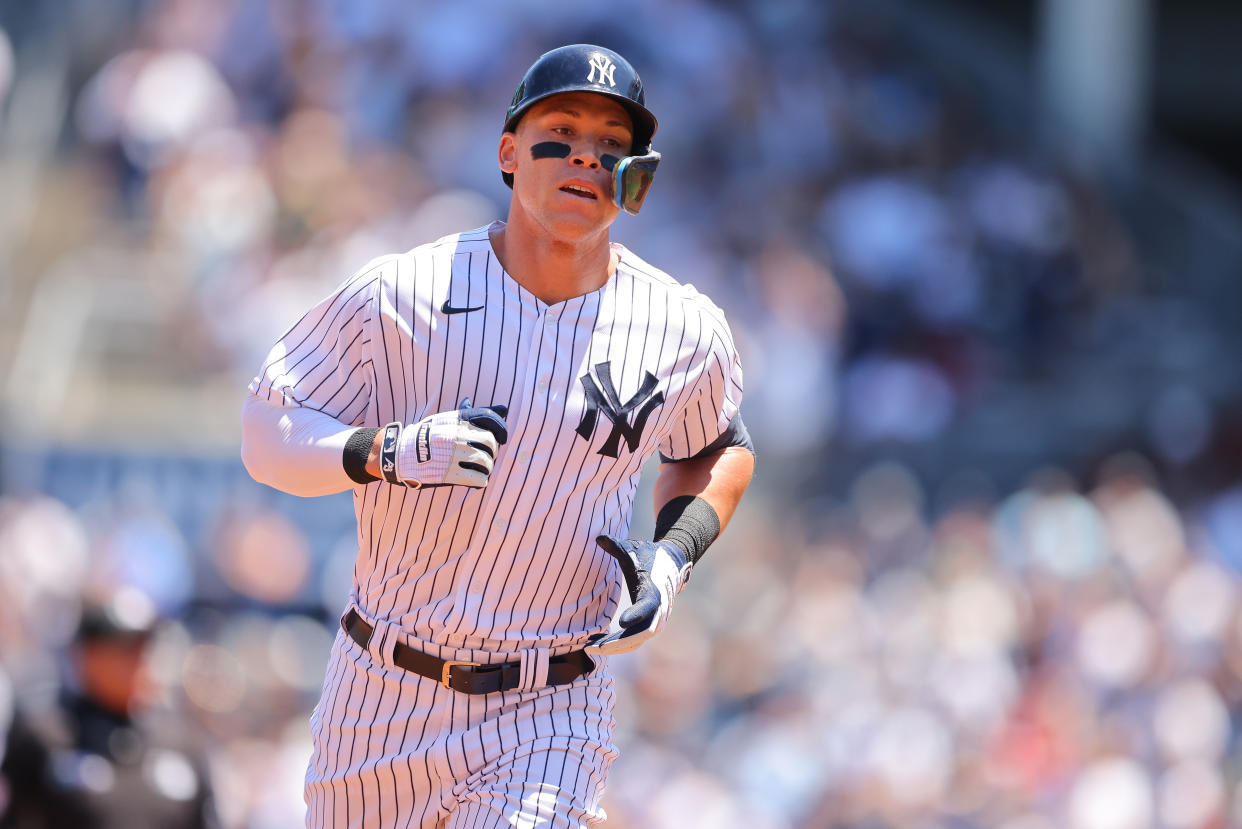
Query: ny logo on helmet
605,67
602,398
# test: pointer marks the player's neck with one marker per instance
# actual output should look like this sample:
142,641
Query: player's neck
551,269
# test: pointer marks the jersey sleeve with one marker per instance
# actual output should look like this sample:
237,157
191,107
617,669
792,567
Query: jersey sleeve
324,361
716,398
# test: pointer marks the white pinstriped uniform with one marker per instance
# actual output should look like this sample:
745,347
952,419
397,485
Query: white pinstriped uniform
510,571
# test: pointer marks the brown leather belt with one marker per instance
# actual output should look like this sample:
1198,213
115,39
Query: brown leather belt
469,677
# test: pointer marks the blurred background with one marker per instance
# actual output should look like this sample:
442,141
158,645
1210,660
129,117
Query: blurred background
983,262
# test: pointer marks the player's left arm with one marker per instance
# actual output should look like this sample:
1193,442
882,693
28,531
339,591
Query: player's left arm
694,499
719,479
695,496
708,462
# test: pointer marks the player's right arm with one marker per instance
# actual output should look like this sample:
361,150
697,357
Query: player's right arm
295,449
314,392
304,423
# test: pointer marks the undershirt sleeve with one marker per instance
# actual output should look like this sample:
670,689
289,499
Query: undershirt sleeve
294,449
735,434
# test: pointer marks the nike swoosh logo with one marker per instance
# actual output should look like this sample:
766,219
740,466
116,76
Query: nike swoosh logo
452,309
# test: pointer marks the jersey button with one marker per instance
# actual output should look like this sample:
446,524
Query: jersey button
499,524
476,588
542,387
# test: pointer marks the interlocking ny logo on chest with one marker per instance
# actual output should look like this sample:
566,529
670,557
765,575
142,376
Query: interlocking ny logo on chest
601,397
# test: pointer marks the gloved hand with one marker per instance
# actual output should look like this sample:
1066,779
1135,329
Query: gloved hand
454,448
655,572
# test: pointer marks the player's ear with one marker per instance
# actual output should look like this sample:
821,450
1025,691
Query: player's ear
507,152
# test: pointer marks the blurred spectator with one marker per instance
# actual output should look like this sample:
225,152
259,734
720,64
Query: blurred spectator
92,758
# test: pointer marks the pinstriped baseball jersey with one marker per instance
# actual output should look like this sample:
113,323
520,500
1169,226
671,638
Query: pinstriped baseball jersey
595,385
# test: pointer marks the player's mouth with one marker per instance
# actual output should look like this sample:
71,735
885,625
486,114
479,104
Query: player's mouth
580,191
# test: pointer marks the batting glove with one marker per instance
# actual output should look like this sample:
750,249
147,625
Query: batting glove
655,572
454,448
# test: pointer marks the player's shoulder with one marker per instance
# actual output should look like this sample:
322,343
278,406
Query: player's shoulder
465,241
684,294
392,266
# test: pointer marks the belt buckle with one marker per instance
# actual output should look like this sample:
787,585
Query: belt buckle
448,664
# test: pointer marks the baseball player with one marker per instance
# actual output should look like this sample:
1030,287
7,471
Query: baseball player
491,398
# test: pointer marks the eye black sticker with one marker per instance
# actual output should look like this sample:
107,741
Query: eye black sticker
550,149
556,149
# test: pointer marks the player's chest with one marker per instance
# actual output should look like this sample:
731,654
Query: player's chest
592,372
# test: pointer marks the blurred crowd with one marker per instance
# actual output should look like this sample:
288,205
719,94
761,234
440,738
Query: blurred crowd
987,575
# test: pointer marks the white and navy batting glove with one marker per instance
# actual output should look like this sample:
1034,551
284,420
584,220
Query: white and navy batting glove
454,448
655,572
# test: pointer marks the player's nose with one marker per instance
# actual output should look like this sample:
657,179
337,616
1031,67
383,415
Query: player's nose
583,157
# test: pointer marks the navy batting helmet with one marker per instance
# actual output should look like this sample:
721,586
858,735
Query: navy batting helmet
584,68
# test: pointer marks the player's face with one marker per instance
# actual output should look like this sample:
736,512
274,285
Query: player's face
562,158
